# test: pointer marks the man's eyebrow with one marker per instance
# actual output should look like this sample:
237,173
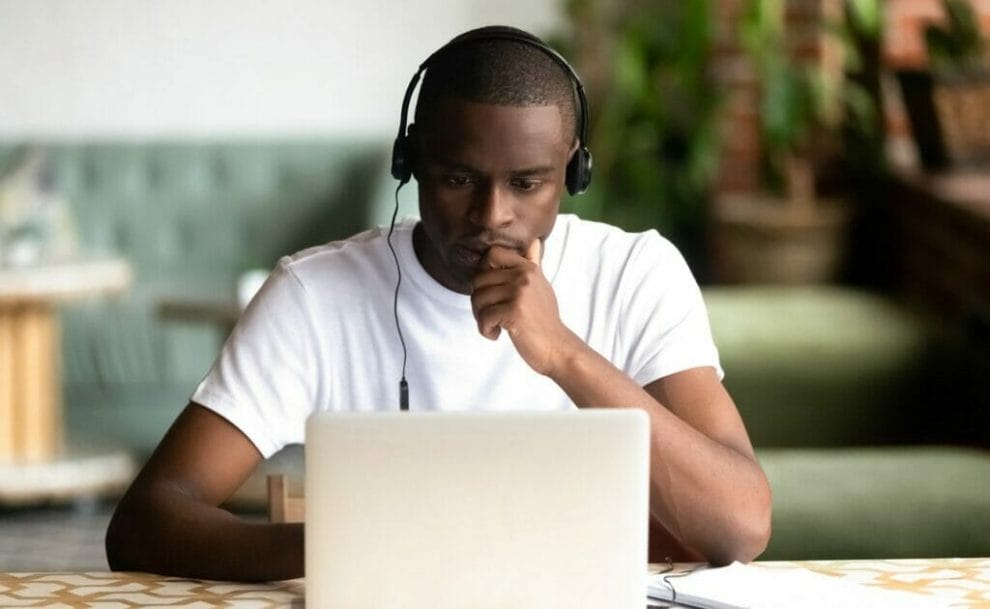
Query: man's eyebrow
534,171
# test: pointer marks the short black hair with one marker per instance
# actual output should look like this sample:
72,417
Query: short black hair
502,72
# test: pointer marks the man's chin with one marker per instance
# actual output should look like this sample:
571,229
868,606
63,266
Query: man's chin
461,279
455,277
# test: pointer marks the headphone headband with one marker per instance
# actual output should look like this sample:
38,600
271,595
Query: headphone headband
579,167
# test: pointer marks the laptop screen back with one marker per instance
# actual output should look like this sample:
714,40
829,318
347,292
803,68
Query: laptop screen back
456,510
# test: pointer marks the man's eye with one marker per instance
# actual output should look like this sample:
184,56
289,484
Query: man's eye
525,185
456,181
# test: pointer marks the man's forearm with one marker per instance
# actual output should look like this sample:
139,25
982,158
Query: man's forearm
174,534
710,495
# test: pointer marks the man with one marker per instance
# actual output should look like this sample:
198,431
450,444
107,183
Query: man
504,305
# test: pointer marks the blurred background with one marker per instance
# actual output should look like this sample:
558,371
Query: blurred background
824,166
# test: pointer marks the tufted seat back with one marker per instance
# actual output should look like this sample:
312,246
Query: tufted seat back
190,217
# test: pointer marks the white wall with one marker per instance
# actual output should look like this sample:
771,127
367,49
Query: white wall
139,68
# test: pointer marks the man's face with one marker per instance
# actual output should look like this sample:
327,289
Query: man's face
488,175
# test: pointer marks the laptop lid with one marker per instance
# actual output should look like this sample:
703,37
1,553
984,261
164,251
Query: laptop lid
434,510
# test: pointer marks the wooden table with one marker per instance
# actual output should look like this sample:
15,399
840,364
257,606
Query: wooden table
961,582
221,312
31,432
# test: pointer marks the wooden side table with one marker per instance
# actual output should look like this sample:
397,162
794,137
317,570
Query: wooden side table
221,312
30,384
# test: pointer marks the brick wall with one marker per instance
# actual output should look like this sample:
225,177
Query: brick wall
905,22
903,47
739,125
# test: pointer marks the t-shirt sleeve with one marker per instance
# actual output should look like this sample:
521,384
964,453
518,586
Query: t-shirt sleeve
265,379
666,327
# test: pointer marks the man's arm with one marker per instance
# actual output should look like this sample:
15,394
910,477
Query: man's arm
168,521
707,489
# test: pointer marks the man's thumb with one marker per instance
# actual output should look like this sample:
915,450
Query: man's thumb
534,253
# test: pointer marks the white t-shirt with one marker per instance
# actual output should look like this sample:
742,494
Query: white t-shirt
320,334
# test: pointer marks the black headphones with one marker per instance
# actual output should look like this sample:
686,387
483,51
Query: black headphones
578,167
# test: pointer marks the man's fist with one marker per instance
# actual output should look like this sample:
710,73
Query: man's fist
511,293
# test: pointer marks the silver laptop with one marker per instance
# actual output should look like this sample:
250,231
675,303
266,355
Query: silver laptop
519,510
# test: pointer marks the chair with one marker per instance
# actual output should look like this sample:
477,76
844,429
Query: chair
282,506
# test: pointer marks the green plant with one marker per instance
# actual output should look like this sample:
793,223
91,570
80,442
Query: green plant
802,105
958,42
864,133
653,119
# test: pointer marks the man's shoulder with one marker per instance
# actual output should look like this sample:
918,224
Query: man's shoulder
361,250
359,264
606,239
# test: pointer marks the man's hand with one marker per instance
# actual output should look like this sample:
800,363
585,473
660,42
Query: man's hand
511,293
695,428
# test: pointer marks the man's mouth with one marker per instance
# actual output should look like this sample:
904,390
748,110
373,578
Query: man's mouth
468,256
469,253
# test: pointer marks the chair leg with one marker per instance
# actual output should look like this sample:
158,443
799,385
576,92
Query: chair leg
278,497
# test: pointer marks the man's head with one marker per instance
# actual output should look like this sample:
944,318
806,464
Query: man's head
496,124
504,71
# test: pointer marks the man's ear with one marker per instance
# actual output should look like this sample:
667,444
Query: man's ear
574,146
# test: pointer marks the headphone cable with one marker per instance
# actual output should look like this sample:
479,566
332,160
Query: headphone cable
403,385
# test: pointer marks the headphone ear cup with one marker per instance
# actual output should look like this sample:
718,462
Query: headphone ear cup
578,175
401,162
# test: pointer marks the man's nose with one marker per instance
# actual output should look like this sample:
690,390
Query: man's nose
492,208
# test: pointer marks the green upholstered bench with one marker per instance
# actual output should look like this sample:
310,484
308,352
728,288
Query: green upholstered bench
890,502
190,216
843,393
